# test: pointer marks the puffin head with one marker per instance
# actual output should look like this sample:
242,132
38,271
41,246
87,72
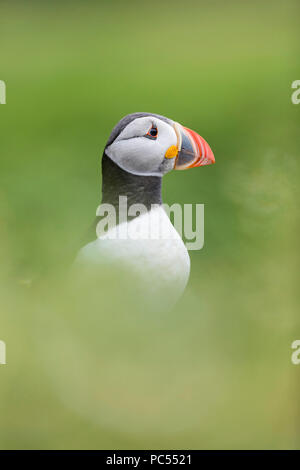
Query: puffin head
147,144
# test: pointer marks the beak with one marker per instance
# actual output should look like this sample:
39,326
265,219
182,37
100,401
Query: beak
193,150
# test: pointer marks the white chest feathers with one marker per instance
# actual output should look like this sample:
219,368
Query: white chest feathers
148,246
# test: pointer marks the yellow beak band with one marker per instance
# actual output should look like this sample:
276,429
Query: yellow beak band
172,152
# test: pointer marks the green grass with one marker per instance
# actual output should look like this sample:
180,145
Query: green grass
90,371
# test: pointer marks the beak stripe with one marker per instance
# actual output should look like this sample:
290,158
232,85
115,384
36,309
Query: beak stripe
204,153
193,149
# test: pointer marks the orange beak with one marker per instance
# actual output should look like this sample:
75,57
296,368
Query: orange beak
193,150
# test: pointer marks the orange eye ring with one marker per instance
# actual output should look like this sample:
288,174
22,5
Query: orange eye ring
152,133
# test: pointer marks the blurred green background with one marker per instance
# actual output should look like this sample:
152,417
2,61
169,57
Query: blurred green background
92,370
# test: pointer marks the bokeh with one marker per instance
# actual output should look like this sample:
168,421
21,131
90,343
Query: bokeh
91,366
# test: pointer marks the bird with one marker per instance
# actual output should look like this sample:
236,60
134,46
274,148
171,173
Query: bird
140,150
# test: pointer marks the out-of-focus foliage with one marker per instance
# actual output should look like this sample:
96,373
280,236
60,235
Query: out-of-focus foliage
89,366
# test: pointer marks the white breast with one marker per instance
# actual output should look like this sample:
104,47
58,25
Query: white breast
150,247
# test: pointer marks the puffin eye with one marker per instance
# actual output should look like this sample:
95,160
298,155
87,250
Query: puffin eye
152,133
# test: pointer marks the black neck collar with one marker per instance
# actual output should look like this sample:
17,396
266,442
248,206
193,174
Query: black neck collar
138,189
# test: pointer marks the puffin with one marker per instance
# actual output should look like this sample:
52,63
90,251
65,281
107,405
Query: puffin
132,229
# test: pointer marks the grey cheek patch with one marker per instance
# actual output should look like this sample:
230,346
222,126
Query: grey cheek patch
167,165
